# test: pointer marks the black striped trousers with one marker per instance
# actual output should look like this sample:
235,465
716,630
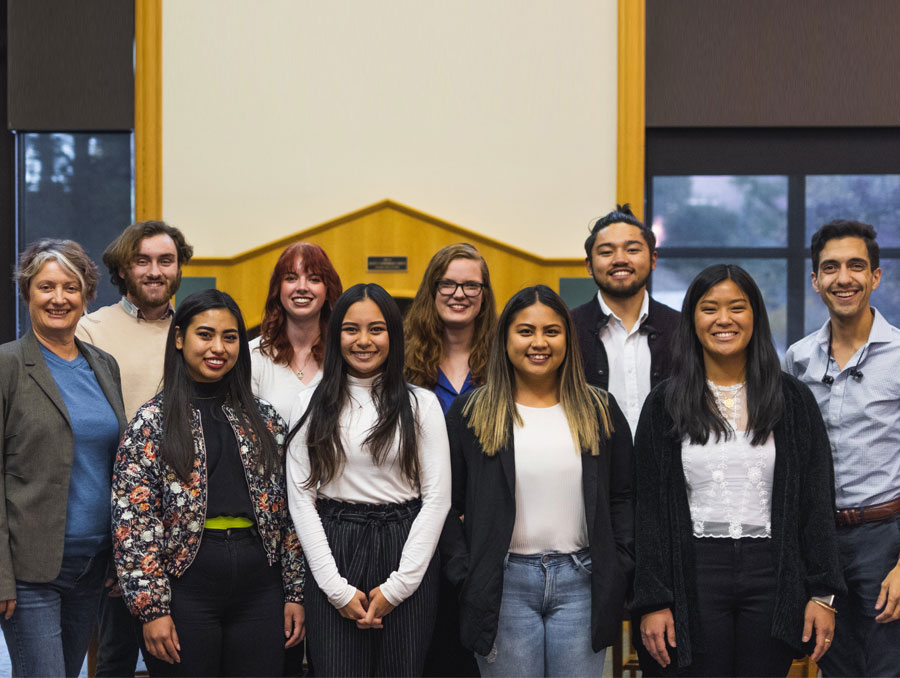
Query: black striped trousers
366,541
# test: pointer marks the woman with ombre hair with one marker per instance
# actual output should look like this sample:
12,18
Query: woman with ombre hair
287,356
541,466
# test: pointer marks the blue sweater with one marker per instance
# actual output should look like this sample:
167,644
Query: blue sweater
96,433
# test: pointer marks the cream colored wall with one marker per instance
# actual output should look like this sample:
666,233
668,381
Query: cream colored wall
498,115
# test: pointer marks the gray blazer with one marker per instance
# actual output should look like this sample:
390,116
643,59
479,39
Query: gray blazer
36,450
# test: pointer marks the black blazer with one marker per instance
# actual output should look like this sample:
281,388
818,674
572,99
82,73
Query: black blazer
36,451
484,491
659,327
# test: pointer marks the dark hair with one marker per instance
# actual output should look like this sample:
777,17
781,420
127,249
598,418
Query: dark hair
177,447
119,254
621,215
69,254
425,330
688,399
391,394
842,228
274,342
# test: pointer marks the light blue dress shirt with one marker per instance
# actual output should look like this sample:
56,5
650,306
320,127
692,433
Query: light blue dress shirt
861,409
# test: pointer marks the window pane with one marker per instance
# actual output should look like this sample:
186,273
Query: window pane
672,277
720,211
76,186
886,298
870,198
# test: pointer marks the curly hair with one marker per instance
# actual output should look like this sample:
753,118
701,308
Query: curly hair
274,341
119,254
424,330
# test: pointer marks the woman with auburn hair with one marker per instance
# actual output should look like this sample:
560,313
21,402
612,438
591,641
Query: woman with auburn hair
287,356
737,562
369,489
542,473
450,324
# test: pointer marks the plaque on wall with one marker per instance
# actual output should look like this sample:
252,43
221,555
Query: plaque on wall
386,264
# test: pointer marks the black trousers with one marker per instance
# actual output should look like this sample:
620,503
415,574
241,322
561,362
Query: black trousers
228,610
367,541
736,601
118,637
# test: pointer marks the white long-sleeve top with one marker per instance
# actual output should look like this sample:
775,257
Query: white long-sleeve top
363,481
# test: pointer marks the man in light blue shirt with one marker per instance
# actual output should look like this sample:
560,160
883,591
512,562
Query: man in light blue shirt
852,365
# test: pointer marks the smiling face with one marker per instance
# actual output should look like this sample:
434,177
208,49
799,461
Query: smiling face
210,345
723,320
536,343
302,294
55,302
845,278
458,310
153,276
364,339
621,261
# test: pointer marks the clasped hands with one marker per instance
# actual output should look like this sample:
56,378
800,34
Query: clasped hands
367,611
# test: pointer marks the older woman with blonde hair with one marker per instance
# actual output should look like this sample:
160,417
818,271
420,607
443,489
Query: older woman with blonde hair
61,414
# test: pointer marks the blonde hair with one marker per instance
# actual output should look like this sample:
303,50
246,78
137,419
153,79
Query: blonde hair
491,410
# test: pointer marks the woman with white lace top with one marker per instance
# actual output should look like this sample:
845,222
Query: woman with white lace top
737,563
369,490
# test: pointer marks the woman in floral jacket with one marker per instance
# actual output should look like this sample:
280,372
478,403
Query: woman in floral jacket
204,547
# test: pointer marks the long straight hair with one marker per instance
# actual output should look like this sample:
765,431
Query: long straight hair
689,401
390,392
177,447
492,408
425,330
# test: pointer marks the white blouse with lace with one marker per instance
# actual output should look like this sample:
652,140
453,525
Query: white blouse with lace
729,481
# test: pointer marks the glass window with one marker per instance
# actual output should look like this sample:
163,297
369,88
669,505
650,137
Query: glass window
673,275
720,211
76,186
870,198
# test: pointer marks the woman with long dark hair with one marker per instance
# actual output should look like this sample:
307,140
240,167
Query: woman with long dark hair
450,324
369,489
542,477
287,356
736,555
203,543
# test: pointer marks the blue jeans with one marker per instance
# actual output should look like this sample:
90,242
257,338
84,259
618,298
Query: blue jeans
545,619
861,646
49,632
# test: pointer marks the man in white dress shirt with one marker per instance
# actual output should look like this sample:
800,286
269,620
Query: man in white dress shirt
624,335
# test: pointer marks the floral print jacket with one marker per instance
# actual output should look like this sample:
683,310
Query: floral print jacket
157,519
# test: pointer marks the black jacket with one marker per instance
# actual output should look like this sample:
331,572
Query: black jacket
660,330
473,550
803,531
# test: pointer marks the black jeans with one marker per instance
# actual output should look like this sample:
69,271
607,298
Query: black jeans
228,610
736,602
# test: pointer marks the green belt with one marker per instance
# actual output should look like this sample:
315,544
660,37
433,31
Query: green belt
227,523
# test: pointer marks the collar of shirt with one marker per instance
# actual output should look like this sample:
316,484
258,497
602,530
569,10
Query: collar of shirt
642,317
135,312
880,333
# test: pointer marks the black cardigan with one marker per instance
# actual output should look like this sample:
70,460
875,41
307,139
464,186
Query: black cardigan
484,492
659,327
803,531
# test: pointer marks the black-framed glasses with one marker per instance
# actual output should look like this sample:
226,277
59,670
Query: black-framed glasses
470,288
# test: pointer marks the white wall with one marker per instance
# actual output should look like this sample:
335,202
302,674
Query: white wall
498,115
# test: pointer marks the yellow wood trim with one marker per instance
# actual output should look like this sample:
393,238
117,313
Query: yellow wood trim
148,109
631,86
386,204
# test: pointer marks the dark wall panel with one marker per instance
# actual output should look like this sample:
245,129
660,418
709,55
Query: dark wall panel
766,63
71,65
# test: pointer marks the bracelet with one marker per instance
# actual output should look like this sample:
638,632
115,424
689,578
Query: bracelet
825,605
